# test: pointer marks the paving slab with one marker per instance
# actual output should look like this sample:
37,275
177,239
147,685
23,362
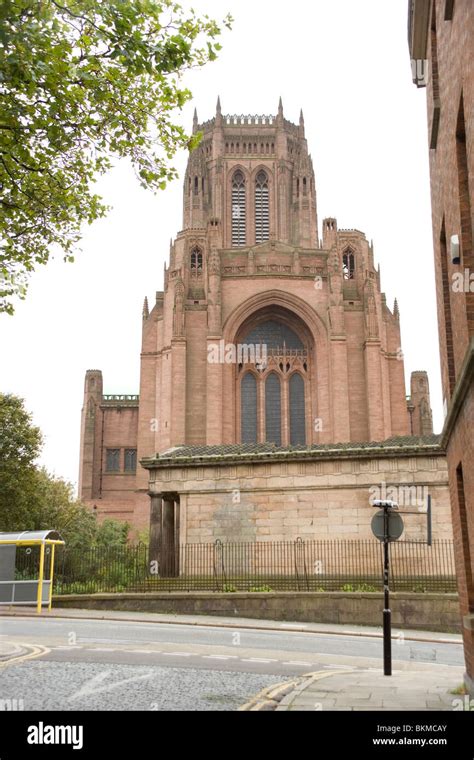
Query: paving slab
368,690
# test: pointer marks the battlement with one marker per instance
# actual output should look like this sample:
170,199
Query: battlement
247,120
120,400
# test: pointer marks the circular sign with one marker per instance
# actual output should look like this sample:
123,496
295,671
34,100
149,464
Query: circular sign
395,525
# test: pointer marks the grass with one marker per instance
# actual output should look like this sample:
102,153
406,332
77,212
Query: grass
120,582
459,690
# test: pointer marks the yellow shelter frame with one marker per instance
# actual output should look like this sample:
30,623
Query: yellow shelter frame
42,539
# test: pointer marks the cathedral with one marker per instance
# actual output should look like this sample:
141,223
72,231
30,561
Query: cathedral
272,390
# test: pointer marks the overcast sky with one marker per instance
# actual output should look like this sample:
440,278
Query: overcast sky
347,65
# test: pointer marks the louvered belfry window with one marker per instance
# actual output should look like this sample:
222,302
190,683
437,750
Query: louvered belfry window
262,208
238,210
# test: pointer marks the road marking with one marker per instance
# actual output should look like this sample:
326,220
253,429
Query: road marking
257,659
178,654
219,657
17,651
338,667
145,651
102,649
68,648
96,684
34,650
297,662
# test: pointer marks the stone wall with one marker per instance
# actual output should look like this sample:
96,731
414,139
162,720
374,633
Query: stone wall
431,612
283,500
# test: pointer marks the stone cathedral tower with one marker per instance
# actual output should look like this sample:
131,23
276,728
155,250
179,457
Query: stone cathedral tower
248,273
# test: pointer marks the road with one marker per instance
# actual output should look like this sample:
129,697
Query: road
81,664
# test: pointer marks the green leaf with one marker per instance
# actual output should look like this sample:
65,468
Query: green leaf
77,94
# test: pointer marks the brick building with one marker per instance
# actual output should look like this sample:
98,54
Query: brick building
266,345
441,41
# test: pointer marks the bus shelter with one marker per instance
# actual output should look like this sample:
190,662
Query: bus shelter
27,567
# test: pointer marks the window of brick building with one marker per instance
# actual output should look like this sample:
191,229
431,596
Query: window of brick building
449,10
196,261
262,208
238,210
272,398
448,319
273,409
130,460
112,463
348,264
463,521
436,114
297,411
464,196
248,400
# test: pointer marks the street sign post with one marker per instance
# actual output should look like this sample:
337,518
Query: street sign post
387,526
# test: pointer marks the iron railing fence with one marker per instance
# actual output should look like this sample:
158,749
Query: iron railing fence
346,565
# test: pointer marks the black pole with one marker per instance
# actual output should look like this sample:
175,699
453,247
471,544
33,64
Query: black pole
387,615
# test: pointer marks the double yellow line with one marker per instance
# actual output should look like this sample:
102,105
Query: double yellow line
35,650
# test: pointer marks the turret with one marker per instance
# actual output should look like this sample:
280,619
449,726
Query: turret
301,130
252,145
90,425
329,233
419,404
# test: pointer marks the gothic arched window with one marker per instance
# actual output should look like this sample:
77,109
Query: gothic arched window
274,335
262,208
196,261
297,411
273,409
248,405
348,264
238,210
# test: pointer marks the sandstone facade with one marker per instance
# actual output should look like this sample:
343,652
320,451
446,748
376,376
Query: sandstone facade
248,270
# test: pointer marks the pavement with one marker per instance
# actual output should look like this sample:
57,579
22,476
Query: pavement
351,690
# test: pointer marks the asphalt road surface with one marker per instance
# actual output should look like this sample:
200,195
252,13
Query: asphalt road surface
113,665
